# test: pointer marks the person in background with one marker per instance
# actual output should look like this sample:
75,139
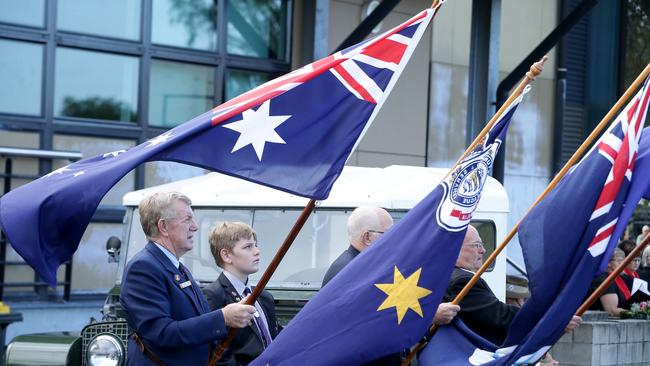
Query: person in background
516,290
609,300
645,231
644,270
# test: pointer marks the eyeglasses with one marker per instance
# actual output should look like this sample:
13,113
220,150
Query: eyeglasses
477,245
376,232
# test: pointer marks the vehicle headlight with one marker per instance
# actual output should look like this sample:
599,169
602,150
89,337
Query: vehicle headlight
105,350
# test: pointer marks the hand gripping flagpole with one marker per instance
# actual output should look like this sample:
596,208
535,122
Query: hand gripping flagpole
279,255
578,153
534,71
612,276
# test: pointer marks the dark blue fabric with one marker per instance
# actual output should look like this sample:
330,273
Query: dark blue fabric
555,237
452,344
173,323
46,219
342,324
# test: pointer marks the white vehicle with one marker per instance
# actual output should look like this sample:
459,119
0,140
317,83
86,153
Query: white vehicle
217,197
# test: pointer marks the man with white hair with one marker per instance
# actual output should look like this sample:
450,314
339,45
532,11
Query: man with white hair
481,310
365,225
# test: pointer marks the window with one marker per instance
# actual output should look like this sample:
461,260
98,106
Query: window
257,28
241,81
95,85
115,18
91,270
21,73
179,92
191,24
637,40
25,12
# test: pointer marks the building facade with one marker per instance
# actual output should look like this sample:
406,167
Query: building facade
98,76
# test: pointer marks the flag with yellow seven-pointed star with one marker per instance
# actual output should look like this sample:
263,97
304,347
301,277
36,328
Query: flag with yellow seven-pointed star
385,299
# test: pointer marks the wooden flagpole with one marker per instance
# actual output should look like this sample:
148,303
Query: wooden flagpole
612,276
279,255
534,71
579,152
295,230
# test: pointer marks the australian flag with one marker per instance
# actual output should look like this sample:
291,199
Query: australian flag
567,240
293,133
385,299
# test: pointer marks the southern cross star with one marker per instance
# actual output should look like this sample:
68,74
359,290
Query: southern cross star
403,294
159,139
114,153
58,171
257,128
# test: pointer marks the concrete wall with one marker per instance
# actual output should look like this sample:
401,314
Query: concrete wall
603,342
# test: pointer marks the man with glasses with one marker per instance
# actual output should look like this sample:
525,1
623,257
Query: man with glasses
481,310
365,225
168,316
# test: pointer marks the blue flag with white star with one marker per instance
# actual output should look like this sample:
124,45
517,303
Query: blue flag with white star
565,239
293,133
385,299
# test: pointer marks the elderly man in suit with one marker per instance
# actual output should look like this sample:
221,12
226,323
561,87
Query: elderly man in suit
168,316
480,309
234,248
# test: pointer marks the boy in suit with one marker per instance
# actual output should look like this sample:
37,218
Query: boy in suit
234,248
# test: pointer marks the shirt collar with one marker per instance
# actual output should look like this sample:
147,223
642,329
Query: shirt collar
168,254
236,282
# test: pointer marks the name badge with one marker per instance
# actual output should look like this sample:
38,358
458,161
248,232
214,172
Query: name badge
186,284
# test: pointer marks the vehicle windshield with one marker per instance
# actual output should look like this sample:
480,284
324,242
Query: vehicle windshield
320,242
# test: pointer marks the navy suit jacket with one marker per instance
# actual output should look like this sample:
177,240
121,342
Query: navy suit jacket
175,324
247,344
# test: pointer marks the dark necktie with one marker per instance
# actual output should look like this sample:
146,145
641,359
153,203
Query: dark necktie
266,337
186,277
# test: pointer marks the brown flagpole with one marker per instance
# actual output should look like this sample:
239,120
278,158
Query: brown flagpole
534,71
612,276
579,152
250,300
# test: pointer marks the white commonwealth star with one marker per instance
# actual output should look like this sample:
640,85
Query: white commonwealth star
159,139
114,153
257,128
58,171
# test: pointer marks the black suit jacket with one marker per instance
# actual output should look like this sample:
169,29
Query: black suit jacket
247,344
480,309
339,263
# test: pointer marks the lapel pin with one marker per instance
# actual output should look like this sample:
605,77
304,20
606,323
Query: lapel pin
186,284
177,277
